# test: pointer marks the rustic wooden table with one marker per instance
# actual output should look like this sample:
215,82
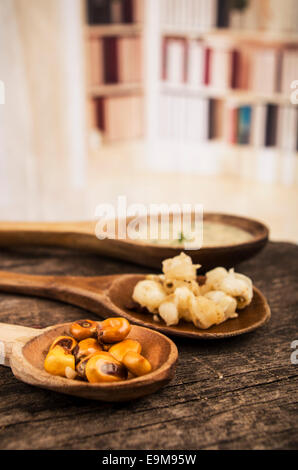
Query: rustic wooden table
239,393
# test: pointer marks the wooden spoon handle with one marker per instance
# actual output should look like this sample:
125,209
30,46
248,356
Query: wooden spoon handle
26,283
66,234
84,292
9,334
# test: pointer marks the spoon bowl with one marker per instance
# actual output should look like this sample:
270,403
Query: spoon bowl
24,350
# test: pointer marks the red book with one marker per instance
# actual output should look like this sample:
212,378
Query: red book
235,60
100,121
207,77
127,11
110,60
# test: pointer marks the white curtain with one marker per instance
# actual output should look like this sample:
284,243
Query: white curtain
42,123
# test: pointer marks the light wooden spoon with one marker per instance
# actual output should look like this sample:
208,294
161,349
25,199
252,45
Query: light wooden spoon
24,350
108,296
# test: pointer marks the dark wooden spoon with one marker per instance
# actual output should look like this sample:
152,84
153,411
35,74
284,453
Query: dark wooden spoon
112,296
24,350
81,236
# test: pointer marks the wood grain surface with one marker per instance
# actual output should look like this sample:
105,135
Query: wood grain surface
236,393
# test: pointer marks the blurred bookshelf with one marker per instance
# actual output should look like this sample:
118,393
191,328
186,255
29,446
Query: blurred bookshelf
223,74
114,65
220,80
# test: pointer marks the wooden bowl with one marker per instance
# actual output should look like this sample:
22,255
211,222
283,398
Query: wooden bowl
27,364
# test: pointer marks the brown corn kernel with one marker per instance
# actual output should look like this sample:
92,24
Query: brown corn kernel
81,366
103,367
66,342
83,329
136,364
58,361
119,350
86,347
113,330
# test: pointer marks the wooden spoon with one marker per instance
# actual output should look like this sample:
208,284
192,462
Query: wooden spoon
112,296
24,350
81,235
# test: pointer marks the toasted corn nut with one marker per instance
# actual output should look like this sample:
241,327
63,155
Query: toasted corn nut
81,366
86,347
58,361
66,342
119,350
113,330
136,364
83,329
103,367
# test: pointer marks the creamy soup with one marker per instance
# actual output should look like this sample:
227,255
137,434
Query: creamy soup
214,234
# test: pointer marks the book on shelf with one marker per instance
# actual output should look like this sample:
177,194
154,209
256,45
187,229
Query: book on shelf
207,66
193,118
271,126
221,68
193,15
115,60
195,63
203,15
289,69
223,13
129,59
119,117
101,12
287,128
110,48
244,125
283,16
175,60
230,122
258,125
183,118
138,11
262,70
116,11
98,11
242,67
